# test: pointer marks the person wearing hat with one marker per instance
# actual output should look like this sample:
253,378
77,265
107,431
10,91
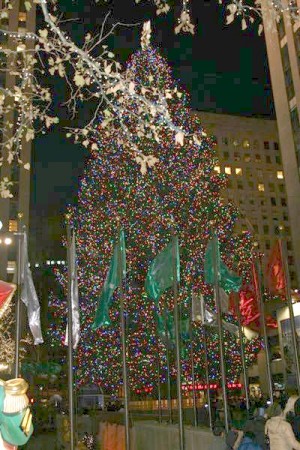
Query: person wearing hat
15,416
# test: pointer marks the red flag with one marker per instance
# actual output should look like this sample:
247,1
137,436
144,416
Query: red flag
275,275
249,305
7,291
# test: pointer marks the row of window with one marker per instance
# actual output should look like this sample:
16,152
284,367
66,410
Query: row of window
239,171
247,157
267,145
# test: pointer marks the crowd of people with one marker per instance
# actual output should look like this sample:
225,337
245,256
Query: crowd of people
270,425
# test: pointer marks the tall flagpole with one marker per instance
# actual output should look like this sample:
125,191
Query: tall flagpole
70,336
193,365
158,373
241,338
177,342
258,288
291,312
169,399
216,264
20,256
123,340
206,363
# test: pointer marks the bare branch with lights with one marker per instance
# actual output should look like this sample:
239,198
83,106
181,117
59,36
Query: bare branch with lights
92,76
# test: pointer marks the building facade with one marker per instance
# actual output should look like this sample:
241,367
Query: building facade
283,49
17,21
249,153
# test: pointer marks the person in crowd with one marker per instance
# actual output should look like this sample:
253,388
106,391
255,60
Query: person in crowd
248,442
280,432
256,426
295,421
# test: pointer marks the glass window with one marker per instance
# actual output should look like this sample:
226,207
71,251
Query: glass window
256,144
13,226
271,187
262,203
237,156
251,184
255,228
261,187
236,143
247,157
268,159
240,185
225,140
228,170
280,174
266,145
283,202
273,201
276,146
217,169
246,143
285,217
281,188
225,156
278,159
266,229
268,245
289,245
238,171
257,158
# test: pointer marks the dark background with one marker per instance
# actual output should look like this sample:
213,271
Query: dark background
223,68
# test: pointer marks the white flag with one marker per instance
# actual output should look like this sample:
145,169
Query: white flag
29,296
74,296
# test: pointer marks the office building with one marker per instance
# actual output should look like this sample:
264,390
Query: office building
283,49
18,21
249,153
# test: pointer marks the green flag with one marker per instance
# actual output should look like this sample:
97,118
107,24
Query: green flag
160,274
112,281
228,280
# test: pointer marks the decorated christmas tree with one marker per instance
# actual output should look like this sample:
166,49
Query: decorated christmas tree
180,194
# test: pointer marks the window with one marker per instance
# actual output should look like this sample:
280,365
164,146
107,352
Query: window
13,226
289,245
262,203
268,159
229,184
255,228
22,17
226,156
246,143
261,187
268,245
247,157
285,217
266,145
238,171
283,202
278,159
266,229
225,140
259,173
276,146
273,201
228,170
236,143
217,169
251,202
240,185
237,156
251,184
255,145
281,188
257,158
271,187
280,174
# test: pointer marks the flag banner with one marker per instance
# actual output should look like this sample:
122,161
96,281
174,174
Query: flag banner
166,328
74,296
112,282
160,274
7,291
275,276
228,280
29,296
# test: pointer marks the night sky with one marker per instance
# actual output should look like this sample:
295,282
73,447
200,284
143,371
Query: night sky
223,69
